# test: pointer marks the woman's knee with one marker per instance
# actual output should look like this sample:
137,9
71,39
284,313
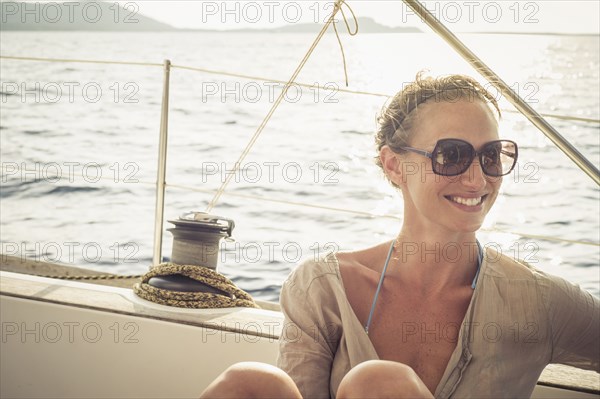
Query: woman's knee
252,380
382,379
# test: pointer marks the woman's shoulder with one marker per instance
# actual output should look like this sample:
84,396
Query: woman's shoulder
313,270
500,264
331,271
313,286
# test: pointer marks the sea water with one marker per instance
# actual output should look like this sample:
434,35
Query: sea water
79,147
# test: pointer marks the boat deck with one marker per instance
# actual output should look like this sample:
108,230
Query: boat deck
73,339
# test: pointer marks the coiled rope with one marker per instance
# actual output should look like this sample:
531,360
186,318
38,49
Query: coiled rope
193,300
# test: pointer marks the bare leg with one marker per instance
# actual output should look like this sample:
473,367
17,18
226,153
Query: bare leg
382,379
252,380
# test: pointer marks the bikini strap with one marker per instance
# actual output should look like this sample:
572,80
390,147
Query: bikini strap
387,261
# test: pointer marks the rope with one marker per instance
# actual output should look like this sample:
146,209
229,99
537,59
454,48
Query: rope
337,35
193,300
90,277
81,61
263,124
561,117
98,277
377,215
264,79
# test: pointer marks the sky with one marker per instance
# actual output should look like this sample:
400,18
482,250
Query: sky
560,16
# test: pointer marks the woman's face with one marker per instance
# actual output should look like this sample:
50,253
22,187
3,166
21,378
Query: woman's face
456,203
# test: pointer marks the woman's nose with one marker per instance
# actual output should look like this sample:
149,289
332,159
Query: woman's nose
474,177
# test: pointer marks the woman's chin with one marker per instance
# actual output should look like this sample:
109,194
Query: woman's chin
469,227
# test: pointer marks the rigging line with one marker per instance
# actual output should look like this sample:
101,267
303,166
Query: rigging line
561,117
263,79
359,92
81,61
541,237
375,215
535,118
263,124
286,202
337,35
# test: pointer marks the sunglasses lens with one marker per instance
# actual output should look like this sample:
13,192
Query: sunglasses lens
498,158
452,157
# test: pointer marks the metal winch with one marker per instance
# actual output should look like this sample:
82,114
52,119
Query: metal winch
196,239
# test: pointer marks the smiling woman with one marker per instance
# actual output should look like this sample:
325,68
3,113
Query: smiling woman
430,312
433,114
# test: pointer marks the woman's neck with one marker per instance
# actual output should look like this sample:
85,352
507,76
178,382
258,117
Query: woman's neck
435,261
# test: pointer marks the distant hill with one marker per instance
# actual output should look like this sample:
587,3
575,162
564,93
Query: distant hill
365,25
93,15
86,15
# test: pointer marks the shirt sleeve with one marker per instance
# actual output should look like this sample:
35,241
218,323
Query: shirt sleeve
309,337
574,316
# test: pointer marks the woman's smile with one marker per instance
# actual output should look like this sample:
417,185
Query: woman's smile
467,203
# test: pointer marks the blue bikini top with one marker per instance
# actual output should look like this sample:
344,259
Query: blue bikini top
387,261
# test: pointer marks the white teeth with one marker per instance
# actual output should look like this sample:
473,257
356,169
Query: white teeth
467,201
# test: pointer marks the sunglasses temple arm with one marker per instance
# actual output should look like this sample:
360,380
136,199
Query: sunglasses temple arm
416,150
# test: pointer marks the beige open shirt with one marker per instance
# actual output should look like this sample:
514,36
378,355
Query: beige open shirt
518,321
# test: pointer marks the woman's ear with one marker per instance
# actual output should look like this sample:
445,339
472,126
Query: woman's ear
392,165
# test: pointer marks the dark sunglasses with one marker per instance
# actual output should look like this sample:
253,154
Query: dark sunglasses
452,157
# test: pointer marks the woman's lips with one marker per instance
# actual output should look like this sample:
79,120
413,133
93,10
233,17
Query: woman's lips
472,204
